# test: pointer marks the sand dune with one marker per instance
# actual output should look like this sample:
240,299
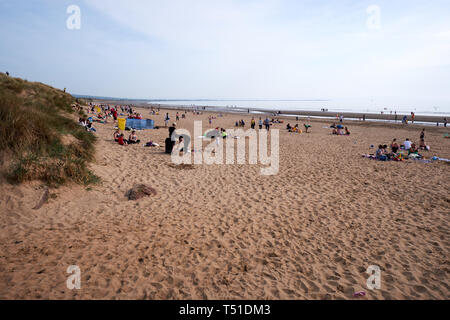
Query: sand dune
227,232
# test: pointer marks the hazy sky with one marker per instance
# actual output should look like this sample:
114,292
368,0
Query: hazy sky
233,49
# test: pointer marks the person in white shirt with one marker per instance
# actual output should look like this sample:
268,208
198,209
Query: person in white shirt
407,144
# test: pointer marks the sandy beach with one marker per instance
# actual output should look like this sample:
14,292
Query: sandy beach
228,232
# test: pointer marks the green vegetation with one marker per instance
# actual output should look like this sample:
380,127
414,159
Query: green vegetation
39,130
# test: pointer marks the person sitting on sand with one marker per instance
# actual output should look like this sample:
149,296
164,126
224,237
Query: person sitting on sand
380,154
422,145
333,126
347,132
407,144
90,127
116,135
288,127
413,149
122,141
296,129
133,138
394,146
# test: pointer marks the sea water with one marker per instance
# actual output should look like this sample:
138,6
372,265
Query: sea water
385,106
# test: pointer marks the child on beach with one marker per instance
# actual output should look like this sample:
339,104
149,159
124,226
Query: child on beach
116,135
122,141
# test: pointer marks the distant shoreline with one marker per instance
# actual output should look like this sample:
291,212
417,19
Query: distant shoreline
305,113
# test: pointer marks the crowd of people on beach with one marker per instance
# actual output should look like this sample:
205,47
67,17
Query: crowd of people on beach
101,113
396,152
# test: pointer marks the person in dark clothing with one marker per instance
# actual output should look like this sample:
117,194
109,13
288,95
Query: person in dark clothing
394,146
172,130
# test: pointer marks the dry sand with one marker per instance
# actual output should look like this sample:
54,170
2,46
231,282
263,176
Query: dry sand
227,232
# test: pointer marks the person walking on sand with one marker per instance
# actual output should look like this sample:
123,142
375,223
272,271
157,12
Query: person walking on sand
412,117
445,122
260,123
166,119
253,123
267,124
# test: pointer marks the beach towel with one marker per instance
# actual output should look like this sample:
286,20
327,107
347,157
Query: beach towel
440,159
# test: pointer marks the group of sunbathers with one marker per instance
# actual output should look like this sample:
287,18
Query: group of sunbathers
87,124
119,138
339,130
383,154
296,128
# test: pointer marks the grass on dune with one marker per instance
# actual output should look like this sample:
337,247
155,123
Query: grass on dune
35,119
